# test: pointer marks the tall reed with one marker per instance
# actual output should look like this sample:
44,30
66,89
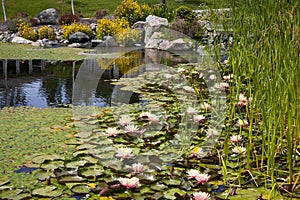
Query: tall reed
265,62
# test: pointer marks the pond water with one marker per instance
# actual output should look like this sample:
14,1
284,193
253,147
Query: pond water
42,83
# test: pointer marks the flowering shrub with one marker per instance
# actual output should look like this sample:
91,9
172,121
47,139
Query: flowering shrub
73,28
26,31
129,37
111,27
132,11
46,32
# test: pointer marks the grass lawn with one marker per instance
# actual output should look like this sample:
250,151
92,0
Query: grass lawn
88,7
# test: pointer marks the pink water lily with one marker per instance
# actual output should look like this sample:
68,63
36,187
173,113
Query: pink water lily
202,178
123,153
150,116
197,152
191,111
137,167
239,150
112,131
125,120
205,106
130,183
235,138
201,196
199,118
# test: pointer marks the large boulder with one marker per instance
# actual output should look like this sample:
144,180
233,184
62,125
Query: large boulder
48,16
79,37
20,40
154,23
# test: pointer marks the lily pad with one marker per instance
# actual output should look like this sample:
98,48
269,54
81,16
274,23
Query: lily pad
81,189
48,191
76,164
91,171
42,158
170,194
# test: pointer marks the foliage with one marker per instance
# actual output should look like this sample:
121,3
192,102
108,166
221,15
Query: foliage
68,19
73,28
46,32
132,11
13,25
111,27
186,13
129,37
162,10
101,13
194,30
26,31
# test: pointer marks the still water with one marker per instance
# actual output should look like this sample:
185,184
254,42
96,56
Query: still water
41,83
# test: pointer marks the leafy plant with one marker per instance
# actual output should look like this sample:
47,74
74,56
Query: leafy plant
26,31
46,32
101,13
111,27
162,10
73,28
69,18
186,13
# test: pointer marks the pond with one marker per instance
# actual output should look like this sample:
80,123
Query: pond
43,83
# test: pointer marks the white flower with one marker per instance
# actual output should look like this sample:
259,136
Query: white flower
188,88
235,138
180,69
205,106
199,118
151,117
131,128
125,120
227,78
238,150
212,132
225,62
242,122
191,111
212,77
192,173
201,196
202,178
137,167
243,101
123,153
112,131
129,183
197,152
222,85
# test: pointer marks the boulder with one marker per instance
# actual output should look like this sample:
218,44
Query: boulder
109,41
79,37
154,23
48,16
176,45
20,40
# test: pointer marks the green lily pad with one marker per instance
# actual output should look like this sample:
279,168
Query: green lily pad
8,193
91,171
170,194
159,187
53,165
42,158
21,196
42,175
4,182
174,182
48,191
70,179
81,189
76,164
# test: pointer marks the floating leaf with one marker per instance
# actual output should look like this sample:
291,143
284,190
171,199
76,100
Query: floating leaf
170,194
41,159
81,189
91,171
76,164
48,191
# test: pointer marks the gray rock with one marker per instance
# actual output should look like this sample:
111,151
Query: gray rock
109,41
20,40
154,23
38,43
74,45
176,45
97,43
48,16
79,37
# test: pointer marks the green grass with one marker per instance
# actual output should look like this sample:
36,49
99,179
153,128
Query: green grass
89,7
23,51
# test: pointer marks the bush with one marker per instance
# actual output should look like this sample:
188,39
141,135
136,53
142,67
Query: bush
13,25
111,27
101,13
129,37
186,13
26,31
73,28
194,30
46,32
162,10
132,11
68,19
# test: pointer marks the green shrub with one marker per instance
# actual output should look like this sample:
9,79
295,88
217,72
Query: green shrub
26,31
186,13
101,13
111,27
73,28
162,10
46,32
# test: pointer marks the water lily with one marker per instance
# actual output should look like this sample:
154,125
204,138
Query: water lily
202,178
222,85
243,101
130,183
137,167
199,118
150,116
125,120
123,153
238,150
188,88
212,77
210,132
197,152
201,196
132,129
242,122
205,106
180,70
192,173
191,111
112,131
235,138
228,77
